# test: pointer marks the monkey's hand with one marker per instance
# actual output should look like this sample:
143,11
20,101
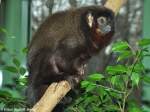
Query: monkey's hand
79,75
81,70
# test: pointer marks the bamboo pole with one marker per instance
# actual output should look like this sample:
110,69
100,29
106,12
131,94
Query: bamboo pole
56,91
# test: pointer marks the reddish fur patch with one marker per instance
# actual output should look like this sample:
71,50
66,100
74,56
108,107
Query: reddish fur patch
99,39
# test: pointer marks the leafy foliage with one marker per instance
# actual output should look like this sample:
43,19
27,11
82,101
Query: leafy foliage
11,94
110,92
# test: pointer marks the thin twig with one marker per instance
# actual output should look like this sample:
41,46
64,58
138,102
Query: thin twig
108,88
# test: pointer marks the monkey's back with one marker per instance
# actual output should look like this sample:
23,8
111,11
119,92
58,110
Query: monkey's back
55,28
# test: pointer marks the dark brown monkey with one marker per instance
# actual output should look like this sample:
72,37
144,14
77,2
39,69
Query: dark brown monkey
64,43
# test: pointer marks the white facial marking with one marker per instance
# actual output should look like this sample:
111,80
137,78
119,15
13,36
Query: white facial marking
90,19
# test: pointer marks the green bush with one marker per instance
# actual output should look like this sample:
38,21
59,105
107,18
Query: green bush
12,95
113,90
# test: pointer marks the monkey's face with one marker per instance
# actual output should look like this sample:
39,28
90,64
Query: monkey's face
102,24
101,27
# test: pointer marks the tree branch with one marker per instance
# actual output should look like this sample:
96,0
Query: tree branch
115,5
56,91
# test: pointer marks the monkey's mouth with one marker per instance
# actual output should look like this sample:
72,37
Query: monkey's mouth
104,29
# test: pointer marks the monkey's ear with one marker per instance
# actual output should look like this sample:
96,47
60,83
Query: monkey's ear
90,19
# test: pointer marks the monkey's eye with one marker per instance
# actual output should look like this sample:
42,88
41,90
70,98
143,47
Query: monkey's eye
102,21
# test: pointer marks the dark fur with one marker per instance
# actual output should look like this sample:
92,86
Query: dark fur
61,46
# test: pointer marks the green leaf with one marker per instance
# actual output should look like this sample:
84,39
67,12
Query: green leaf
23,80
116,95
25,50
133,107
89,99
139,67
115,80
135,77
11,69
95,108
119,46
112,108
116,69
101,91
5,94
90,87
144,42
124,55
81,109
146,55
22,70
146,79
2,46
79,100
96,77
3,30
16,62
84,84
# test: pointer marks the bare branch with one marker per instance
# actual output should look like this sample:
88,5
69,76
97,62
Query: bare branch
54,93
115,5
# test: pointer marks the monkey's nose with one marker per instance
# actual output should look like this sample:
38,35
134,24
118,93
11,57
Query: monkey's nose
107,29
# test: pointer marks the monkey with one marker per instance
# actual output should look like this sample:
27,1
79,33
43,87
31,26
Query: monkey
63,44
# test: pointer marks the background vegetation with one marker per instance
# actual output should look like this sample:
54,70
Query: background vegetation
118,73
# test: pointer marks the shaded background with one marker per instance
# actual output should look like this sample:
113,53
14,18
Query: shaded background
21,18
